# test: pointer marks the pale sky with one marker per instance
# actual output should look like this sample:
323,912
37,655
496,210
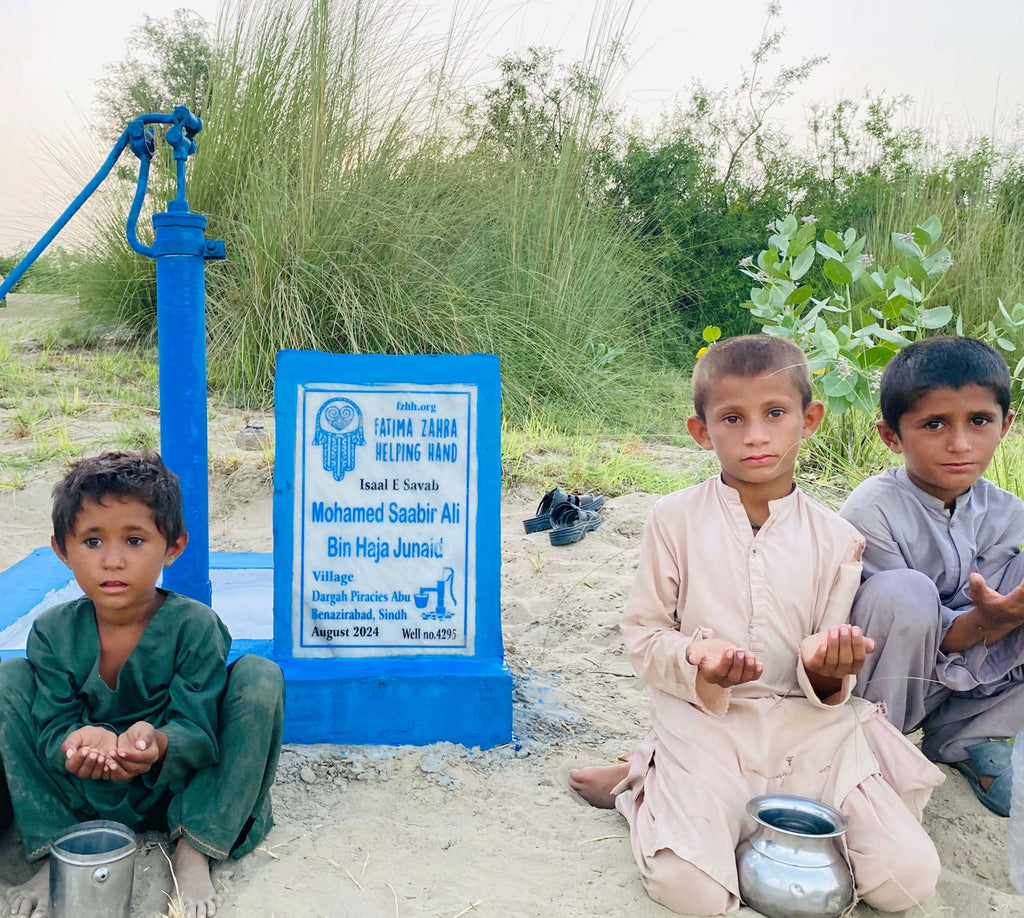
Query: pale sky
961,62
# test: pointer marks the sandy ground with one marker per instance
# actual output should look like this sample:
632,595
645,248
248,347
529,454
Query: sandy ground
436,830
445,831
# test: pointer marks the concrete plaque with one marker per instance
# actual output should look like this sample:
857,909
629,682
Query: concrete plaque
387,489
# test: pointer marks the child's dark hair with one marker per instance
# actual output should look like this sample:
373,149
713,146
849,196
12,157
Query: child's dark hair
749,356
141,475
943,361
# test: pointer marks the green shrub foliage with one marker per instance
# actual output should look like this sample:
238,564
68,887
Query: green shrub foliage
371,203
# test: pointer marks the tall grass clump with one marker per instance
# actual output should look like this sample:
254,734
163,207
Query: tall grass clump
870,168
359,217
983,217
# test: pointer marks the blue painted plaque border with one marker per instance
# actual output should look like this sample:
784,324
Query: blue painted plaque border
407,697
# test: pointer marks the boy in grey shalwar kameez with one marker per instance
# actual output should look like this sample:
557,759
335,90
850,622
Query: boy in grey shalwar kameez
942,594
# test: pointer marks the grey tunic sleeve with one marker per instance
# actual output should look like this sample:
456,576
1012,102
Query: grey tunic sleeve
904,527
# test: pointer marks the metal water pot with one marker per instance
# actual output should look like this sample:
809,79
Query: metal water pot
793,866
92,867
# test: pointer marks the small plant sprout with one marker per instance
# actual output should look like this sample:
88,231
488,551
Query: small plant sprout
710,334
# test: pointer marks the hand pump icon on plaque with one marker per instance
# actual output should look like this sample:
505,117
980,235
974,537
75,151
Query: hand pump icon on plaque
440,612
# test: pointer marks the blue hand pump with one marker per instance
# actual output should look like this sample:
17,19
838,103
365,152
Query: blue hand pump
180,250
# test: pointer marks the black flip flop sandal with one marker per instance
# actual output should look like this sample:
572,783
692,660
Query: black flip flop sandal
556,498
570,523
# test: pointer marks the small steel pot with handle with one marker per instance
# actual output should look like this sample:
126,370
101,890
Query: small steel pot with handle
92,867
793,865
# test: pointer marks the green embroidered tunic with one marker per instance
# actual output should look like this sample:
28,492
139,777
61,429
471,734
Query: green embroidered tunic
223,727
173,679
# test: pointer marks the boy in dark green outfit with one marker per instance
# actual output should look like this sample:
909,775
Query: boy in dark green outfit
125,708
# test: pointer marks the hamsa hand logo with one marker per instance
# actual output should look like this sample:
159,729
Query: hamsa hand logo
339,430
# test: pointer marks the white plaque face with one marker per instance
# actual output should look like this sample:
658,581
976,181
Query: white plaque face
385,520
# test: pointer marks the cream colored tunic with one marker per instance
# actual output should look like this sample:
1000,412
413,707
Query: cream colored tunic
704,573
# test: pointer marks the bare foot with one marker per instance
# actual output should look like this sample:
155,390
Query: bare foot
32,898
194,887
594,784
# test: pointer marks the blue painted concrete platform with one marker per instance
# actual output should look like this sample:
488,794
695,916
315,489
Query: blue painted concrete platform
323,706
243,587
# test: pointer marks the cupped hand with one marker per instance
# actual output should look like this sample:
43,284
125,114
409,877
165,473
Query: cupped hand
836,652
87,751
137,751
996,609
722,663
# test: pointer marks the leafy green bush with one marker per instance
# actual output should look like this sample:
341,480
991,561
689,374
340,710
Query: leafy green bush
372,206
863,313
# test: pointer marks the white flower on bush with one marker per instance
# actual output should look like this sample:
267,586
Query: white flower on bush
844,369
810,218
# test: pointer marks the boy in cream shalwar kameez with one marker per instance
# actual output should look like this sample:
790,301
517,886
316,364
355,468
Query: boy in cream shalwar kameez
775,577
